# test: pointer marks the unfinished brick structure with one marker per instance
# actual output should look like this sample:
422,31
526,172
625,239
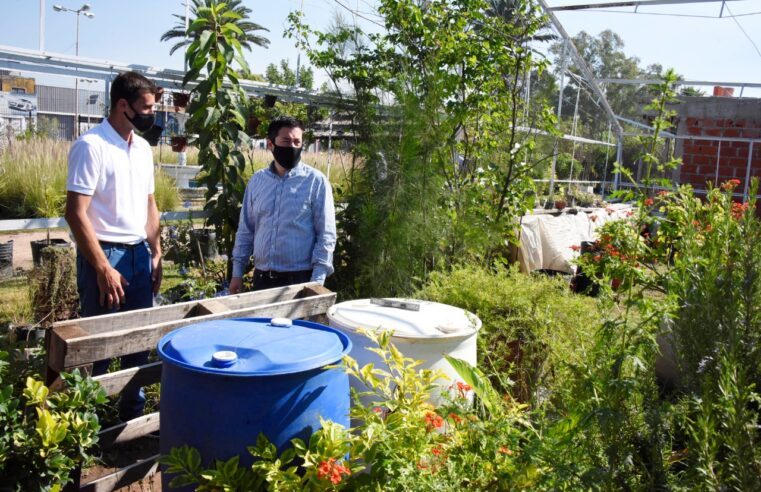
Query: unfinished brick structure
716,161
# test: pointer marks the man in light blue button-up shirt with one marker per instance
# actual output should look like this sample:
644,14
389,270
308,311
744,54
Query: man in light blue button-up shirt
287,220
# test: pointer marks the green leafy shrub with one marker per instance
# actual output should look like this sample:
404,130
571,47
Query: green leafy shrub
533,326
44,437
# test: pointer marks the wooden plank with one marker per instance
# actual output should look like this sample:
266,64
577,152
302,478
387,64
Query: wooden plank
128,431
121,478
312,289
60,222
210,306
115,382
161,314
113,344
56,345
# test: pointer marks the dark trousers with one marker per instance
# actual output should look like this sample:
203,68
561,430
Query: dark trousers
270,280
134,263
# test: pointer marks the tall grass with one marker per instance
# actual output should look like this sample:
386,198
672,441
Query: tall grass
340,163
33,180
33,177
164,154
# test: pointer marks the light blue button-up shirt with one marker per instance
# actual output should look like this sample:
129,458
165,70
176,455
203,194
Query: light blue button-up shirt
288,223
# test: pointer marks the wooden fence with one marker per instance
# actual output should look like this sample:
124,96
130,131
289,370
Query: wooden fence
80,342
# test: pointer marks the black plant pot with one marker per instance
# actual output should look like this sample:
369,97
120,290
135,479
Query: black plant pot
205,241
39,245
6,260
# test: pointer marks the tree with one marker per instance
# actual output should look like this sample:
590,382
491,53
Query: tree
443,167
286,76
244,28
218,108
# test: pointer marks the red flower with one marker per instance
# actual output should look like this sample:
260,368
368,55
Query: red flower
730,185
437,450
433,420
593,217
649,202
378,410
463,387
629,213
663,193
575,247
738,210
455,418
332,471
325,467
597,258
609,210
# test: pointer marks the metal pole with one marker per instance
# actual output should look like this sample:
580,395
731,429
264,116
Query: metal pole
42,25
298,55
560,108
619,158
330,143
718,160
747,171
573,131
605,169
76,85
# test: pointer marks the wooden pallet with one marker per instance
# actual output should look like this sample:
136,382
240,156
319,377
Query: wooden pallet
76,344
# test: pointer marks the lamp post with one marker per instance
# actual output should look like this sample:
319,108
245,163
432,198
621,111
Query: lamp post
84,9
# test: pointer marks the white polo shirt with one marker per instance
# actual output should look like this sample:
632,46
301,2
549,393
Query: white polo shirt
118,176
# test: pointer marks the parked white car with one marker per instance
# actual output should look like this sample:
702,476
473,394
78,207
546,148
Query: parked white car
21,104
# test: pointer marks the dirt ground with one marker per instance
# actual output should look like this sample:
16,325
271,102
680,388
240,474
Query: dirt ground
22,251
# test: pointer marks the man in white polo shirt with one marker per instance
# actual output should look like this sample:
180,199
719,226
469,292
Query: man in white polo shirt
112,213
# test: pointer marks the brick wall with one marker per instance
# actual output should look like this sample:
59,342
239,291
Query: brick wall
718,117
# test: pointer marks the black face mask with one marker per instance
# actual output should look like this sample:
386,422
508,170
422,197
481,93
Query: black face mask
141,122
287,157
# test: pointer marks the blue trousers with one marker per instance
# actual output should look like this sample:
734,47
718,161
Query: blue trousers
134,263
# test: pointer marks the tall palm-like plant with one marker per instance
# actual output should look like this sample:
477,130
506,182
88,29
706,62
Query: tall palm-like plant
247,38
217,35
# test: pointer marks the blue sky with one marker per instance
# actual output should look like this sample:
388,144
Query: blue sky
129,31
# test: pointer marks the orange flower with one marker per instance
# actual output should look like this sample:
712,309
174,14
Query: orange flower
332,471
437,450
433,420
738,210
463,387
593,217
505,450
730,185
455,418
575,247
597,258
649,202
663,193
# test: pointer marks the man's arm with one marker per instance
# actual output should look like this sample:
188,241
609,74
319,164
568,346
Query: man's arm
244,242
153,232
109,280
324,216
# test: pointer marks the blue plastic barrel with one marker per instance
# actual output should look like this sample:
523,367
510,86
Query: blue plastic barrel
223,382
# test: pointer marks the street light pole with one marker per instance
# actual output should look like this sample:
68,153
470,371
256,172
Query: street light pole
84,9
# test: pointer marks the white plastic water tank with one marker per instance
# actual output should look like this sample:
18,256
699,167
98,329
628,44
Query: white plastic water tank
423,330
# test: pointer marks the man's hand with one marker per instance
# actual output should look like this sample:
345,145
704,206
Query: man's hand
157,273
236,285
110,284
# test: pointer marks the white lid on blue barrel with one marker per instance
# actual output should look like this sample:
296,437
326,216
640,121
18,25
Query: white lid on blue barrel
254,346
408,318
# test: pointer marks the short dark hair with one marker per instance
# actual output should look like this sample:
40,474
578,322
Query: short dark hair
282,122
130,86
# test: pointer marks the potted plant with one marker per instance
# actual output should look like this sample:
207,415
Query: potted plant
49,204
180,100
179,143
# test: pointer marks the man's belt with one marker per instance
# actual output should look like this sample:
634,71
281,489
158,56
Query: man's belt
108,244
273,275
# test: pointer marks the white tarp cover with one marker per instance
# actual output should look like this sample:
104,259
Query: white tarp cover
547,239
